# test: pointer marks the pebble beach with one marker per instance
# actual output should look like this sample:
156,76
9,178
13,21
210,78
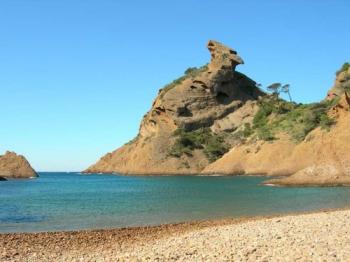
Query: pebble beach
322,236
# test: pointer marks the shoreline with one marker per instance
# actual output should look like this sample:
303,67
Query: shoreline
278,180
185,224
45,246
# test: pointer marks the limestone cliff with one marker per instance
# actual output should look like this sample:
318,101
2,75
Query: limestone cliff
214,97
325,159
342,82
322,158
15,166
215,120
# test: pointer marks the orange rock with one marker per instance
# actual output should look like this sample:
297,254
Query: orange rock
209,97
222,99
15,166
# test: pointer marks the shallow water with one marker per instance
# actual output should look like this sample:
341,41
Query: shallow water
71,201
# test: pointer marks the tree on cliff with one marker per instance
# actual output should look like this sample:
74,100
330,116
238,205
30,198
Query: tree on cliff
277,88
274,88
285,89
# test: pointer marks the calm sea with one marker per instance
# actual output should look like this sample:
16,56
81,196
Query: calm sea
71,201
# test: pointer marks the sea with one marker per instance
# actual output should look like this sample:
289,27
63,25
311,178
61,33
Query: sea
75,201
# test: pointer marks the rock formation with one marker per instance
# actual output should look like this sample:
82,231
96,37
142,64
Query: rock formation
214,120
319,159
214,96
325,159
342,82
15,166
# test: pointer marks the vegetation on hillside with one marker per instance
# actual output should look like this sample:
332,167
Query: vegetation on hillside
190,72
213,145
277,88
345,67
297,120
345,81
274,116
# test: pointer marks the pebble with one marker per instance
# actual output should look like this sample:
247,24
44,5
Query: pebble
320,236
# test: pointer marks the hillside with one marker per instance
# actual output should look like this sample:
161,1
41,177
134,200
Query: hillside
205,103
215,120
15,166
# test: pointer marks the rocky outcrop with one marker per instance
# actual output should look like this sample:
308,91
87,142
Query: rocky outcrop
321,159
15,166
315,175
342,83
327,163
321,150
208,97
216,104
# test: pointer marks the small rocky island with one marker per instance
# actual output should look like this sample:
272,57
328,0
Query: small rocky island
216,120
15,166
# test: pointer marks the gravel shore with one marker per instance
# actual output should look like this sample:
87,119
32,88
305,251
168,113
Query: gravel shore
322,236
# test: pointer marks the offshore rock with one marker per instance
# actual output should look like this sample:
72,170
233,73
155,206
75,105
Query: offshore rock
15,166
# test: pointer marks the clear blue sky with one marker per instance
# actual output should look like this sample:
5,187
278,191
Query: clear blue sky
76,77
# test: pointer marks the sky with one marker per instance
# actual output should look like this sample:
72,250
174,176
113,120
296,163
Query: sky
76,77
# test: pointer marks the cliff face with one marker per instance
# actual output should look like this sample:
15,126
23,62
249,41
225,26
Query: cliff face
15,166
214,97
322,158
326,158
341,84
214,120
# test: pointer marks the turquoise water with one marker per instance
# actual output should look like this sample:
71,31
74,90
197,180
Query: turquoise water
71,201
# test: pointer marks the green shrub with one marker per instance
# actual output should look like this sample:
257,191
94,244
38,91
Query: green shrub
215,148
213,145
326,122
171,85
247,131
345,67
190,72
261,117
275,115
298,123
264,133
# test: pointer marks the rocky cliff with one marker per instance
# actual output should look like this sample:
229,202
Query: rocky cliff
322,158
15,166
211,99
342,82
215,120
